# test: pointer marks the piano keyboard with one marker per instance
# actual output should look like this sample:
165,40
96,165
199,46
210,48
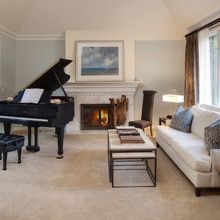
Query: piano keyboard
23,118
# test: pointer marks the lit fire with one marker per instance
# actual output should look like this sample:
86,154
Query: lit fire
100,118
104,117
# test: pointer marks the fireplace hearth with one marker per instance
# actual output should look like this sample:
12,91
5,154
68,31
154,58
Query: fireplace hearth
96,116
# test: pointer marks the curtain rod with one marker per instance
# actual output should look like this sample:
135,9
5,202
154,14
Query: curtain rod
203,27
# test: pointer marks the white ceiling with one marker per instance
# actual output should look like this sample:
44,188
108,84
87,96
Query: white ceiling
145,18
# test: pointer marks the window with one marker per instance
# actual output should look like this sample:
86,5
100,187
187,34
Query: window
213,45
209,67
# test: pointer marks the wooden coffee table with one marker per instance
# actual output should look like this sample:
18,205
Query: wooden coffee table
131,152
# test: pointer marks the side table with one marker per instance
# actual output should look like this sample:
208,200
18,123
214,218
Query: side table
162,120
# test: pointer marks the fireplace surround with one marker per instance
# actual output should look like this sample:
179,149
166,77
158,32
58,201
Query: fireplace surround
99,93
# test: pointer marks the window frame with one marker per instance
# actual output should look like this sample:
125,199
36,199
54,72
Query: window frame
216,32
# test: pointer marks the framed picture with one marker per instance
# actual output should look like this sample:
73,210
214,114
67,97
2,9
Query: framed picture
99,61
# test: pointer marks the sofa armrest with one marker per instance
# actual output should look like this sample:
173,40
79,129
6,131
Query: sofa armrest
215,156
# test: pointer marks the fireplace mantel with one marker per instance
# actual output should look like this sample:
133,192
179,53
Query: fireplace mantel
99,93
125,87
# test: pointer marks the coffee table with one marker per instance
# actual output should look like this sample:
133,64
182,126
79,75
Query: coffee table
131,152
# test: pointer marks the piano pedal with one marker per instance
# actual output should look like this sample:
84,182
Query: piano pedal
59,156
32,148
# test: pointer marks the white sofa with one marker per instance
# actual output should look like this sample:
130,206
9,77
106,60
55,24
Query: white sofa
188,152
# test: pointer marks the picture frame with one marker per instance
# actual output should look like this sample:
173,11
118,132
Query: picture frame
99,61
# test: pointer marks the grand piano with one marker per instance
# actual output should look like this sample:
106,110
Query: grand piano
44,113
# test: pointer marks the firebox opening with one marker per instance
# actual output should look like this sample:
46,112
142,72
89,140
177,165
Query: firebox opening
96,116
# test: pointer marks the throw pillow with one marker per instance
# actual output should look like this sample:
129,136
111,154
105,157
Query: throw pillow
212,136
201,119
182,119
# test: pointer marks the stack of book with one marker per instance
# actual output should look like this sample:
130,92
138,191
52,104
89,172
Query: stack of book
129,135
127,131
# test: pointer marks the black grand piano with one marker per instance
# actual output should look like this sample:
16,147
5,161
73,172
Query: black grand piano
44,113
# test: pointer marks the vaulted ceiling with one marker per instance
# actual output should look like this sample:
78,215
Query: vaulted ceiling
146,18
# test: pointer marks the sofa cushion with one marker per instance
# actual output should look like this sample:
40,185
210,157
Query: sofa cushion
188,146
182,119
212,136
193,152
168,134
201,119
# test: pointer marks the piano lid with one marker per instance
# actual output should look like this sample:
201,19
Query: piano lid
53,78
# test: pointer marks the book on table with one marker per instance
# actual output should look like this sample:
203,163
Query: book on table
135,139
130,131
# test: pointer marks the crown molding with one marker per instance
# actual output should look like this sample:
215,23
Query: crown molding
177,38
204,21
7,32
15,36
40,37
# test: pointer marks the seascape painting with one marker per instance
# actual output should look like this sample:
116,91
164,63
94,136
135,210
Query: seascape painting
99,61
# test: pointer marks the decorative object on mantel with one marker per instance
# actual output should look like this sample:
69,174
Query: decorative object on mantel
99,61
120,109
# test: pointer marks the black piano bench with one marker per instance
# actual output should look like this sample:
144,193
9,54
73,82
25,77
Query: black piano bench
10,143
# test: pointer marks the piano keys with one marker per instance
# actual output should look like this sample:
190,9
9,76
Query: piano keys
44,113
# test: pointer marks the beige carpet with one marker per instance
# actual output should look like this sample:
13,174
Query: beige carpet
77,187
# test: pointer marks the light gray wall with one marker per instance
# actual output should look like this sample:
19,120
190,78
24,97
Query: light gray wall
7,65
33,57
160,66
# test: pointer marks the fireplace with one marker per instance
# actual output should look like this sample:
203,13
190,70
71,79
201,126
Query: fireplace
96,116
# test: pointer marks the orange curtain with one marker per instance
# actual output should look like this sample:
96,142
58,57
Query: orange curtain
191,91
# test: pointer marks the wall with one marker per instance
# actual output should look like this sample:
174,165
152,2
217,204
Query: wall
33,57
7,66
160,66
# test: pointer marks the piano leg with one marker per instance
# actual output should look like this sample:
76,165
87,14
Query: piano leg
60,135
33,148
29,136
7,128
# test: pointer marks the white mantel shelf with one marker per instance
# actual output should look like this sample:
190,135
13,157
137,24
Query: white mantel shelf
125,87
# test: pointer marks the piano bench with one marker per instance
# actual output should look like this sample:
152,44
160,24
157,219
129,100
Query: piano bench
10,143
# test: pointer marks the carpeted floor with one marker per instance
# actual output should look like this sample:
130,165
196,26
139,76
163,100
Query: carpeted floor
77,187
